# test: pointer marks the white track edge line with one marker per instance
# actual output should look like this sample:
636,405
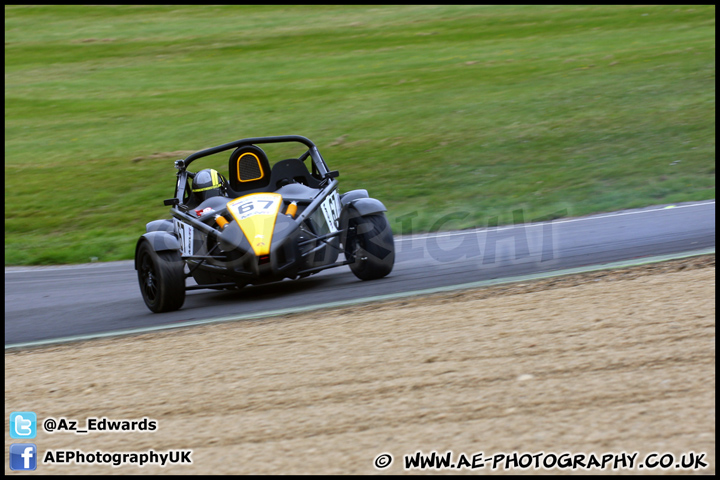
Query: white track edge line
554,222
377,298
402,238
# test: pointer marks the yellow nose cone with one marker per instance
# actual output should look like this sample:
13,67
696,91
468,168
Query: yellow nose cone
256,214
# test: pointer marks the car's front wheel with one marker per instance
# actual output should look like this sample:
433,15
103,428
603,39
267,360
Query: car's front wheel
370,242
162,278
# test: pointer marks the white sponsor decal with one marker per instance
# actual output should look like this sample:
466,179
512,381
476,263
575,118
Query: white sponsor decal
185,233
331,210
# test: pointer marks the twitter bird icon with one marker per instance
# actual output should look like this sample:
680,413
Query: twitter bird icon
23,425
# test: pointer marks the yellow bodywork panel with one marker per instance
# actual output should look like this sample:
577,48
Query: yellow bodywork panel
256,214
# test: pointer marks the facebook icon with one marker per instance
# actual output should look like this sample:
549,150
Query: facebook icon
23,456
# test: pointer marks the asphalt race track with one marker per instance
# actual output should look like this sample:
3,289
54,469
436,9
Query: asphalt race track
44,303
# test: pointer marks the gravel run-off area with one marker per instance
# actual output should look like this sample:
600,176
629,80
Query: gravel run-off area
611,361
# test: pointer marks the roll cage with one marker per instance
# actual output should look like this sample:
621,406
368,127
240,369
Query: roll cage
318,162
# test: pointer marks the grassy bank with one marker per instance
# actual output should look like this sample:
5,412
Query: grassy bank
450,115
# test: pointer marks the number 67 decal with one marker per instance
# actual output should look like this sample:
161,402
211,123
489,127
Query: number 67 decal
247,206
255,204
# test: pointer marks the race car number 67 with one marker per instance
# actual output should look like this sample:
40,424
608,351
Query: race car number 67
247,206
262,204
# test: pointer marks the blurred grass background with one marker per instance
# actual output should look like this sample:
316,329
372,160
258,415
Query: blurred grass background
450,115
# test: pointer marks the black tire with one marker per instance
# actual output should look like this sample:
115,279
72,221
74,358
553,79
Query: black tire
370,242
161,277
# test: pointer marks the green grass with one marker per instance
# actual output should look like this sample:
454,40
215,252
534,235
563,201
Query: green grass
450,115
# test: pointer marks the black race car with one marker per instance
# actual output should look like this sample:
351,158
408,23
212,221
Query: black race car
262,224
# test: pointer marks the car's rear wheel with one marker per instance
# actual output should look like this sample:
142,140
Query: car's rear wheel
370,242
162,278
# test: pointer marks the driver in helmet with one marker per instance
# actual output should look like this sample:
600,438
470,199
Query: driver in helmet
209,184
